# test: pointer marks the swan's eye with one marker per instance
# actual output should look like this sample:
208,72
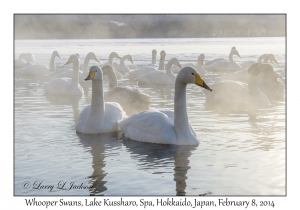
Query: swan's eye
192,73
95,70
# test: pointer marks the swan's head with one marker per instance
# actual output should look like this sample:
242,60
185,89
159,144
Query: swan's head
175,61
154,52
107,69
26,56
77,55
233,48
163,54
95,73
129,57
271,58
114,55
201,57
190,75
92,55
235,52
55,53
73,59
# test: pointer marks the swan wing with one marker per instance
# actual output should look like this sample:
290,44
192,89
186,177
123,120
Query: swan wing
149,126
155,77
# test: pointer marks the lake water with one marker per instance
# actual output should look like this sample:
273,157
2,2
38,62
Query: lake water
236,155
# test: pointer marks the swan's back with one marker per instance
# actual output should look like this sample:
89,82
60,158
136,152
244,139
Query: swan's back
156,77
149,126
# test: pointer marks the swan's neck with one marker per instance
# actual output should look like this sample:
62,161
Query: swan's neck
231,56
97,105
200,65
181,122
85,70
169,72
258,98
51,65
75,77
161,65
113,82
153,58
122,64
110,60
260,58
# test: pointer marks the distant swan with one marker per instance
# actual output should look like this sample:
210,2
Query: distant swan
100,116
264,58
20,63
236,97
66,86
69,73
157,77
122,68
131,100
208,63
243,75
110,62
39,70
198,66
164,126
226,66
134,74
153,63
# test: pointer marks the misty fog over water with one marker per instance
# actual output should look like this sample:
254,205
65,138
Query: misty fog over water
147,26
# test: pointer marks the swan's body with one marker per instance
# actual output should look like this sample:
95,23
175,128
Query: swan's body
159,77
66,86
38,70
122,68
134,74
198,66
163,126
131,100
226,66
208,63
69,73
242,75
236,97
25,59
99,117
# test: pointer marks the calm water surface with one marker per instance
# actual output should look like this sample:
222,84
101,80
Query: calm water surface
236,155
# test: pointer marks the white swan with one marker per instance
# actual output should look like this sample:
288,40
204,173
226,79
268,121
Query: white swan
25,59
243,75
157,77
208,63
236,97
66,86
164,126
131,100
264,58
122,68
134,74
39,70
225,66
100,116
153,63
198,66
69,73
110,62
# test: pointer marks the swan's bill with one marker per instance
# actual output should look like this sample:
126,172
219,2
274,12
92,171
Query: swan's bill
199,81
90,76
131,60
